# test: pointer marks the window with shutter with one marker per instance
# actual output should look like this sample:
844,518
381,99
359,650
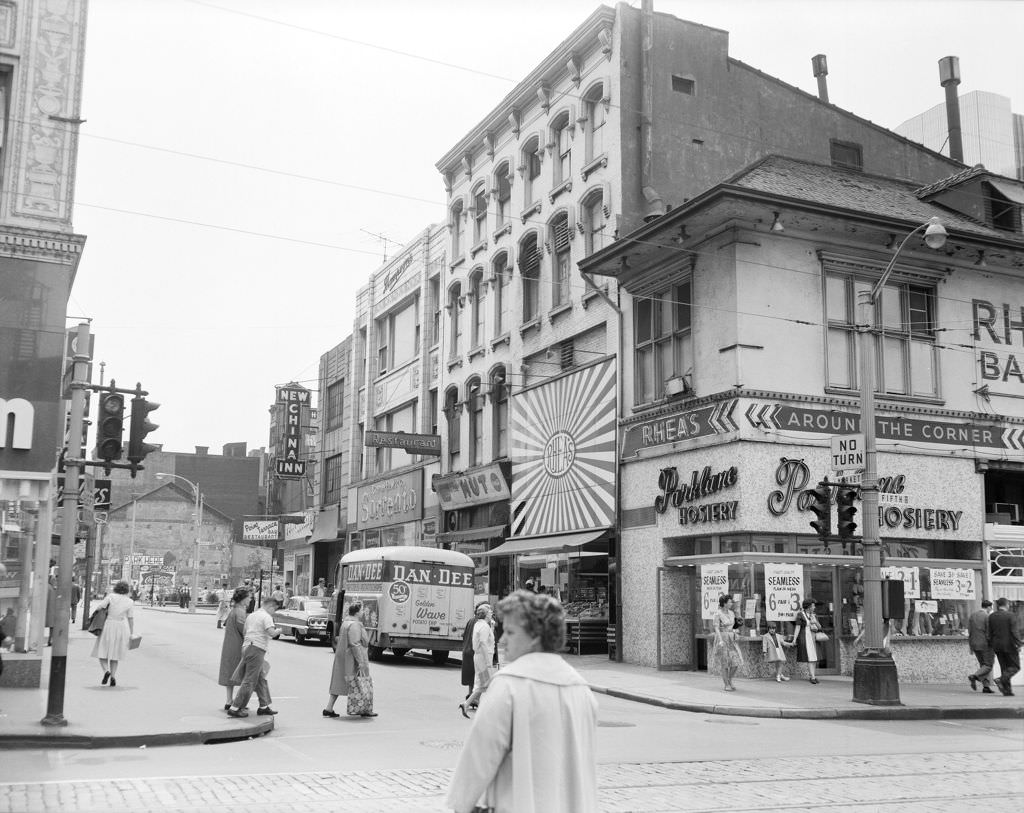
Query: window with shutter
560,236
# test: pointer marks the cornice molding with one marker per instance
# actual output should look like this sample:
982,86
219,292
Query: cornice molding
36,244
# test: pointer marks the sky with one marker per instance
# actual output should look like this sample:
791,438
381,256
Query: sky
242,160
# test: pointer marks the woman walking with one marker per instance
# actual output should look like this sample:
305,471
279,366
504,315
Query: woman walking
468,671
118,629
726,650
531,747
806,646
231,648
483,655
350,660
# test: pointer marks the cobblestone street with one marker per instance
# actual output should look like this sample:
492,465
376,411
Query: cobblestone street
912,783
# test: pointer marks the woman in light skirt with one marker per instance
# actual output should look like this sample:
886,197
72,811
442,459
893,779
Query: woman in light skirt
118,629
726,651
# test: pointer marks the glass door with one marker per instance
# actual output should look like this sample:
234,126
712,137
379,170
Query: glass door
821,586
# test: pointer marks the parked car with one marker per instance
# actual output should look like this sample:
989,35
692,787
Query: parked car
304,617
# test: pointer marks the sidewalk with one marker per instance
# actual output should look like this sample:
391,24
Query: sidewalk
139,711
831,699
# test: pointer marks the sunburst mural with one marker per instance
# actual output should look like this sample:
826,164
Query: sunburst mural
563,453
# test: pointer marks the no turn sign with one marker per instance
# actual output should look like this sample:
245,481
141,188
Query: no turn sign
848,453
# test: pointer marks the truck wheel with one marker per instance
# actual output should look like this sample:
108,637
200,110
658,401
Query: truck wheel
439,656
399,653
374,652
300,638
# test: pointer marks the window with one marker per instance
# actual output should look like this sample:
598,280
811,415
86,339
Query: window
499,402
452,413
400,420
1002,212
456,225
905,352
846,155
529,269
332,479
531,170
596,114
503,185
661,330
479,215
502,279
432,406
475,404
398,336
434,292
476,325
454,308
335,404
560,260
684,84
562,139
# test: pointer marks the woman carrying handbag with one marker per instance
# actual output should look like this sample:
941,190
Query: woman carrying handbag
350,674
118,630
807,636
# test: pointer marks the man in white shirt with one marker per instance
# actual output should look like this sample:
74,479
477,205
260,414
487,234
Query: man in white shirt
223,604
278,595
259,629
320,589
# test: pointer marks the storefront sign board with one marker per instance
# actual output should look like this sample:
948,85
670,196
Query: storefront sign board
911,577
484,485
784,590
686,424
714,581
952,583
391,501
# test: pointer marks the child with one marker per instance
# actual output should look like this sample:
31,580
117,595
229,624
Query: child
772,647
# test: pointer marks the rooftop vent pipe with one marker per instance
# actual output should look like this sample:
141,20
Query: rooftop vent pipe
820,66
949,77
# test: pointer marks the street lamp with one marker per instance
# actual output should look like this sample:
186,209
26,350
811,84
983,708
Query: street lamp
199,527
874,671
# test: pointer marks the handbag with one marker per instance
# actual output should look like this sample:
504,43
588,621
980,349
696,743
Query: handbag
134,641
821,636
97,620
360,694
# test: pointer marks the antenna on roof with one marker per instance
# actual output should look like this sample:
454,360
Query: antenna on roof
384,240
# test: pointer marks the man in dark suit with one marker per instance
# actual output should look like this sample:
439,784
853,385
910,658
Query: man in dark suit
977,632
1004,638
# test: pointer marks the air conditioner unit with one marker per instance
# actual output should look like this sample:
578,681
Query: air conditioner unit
677,385
1010,508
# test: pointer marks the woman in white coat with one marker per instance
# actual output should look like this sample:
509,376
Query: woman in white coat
531,746
112,645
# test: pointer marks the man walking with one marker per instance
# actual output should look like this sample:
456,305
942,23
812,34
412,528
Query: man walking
977,640
1004,639
278,596
259,629
223,604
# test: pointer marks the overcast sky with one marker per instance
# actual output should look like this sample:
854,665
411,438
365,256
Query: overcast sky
211,282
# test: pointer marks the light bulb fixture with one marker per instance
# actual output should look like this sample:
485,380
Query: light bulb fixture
776,225
935,234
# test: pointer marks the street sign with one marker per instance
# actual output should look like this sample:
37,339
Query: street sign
413,444
101,495
848,452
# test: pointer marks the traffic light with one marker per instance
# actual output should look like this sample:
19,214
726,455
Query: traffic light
110,426
845,511
820,504
140,427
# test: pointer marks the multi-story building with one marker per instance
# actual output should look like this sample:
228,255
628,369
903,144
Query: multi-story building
41,55
634,114
764,272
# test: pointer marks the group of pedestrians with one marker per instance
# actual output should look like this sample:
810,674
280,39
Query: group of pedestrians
992,635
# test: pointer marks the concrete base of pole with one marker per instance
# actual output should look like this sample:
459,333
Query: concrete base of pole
875,681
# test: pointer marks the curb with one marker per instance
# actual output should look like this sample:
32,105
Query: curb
59,740
826,713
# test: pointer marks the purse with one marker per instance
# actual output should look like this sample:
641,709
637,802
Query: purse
134,641
821,636
360,694
97,620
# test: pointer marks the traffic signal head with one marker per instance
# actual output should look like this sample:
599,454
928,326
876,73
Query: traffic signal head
140,427
845,511
110,427
820,504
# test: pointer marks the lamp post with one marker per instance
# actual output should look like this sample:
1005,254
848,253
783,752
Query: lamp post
874,671
199,526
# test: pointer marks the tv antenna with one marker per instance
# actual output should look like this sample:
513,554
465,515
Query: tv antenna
384,240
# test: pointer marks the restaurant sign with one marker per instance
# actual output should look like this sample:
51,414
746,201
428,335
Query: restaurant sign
390,501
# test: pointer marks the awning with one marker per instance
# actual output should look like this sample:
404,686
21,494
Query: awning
1011,191
326,526
472,534
545,544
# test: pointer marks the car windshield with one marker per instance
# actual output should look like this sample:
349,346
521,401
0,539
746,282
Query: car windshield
313,606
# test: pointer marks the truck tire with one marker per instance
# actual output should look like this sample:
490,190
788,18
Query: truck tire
399,652
439,657
374,653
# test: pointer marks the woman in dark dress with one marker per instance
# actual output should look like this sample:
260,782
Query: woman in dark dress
231,649
468,670
806,646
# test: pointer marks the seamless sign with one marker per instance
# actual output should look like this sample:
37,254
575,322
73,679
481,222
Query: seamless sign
784,590
952,582
714,581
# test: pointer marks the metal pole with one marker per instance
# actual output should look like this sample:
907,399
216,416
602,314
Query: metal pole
195,562
60,631
131,546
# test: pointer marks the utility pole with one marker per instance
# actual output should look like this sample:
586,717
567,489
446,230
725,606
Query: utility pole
131,545
60,632
93,554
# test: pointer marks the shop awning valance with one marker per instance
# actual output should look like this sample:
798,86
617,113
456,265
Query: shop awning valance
472,534
546,544
326,526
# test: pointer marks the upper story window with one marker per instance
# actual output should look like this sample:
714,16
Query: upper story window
502,293
1002,213
434,294
594,223
596,115
455,221
503,189
561,137
560,260
432,408
452,414
906,359
454,308
529,270
475,406
479,215
398,337
333,481
499,402
661,333
845,154
399,420
531,170
335,405
476,322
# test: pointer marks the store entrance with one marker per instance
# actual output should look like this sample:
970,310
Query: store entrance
823,589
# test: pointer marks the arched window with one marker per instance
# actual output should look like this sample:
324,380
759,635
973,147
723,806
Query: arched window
531,170
479,215
502,293
499,412
560,259
452,414
475,405
561,137
593,223
596,114
503,188
529,269
455,221
454,307
476,295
